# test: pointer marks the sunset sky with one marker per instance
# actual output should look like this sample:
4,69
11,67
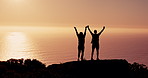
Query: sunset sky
112,13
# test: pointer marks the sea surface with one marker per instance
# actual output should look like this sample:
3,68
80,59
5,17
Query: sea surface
53,45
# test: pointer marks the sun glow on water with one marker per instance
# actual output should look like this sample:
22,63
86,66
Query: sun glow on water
16,46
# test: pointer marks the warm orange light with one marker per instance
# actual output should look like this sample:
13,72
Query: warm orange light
16,1
16,46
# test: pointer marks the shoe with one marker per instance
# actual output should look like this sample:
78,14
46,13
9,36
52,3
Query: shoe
92,59
78,60
97,59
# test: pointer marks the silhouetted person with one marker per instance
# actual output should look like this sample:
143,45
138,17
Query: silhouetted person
81,42
95,41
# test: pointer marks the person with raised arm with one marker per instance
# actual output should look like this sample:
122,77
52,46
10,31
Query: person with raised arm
81,42
95,41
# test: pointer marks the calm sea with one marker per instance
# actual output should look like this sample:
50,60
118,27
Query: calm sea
52,45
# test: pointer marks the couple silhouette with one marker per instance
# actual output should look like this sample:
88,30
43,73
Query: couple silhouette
94,42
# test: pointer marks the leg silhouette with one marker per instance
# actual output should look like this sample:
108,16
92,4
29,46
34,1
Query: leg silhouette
92,53
82,54
97,49
97,53
78,54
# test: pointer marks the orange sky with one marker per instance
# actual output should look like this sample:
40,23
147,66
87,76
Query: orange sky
113,13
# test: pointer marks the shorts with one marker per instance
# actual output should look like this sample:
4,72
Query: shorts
95,45
81,47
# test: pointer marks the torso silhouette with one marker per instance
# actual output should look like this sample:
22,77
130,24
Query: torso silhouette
95,38
81,39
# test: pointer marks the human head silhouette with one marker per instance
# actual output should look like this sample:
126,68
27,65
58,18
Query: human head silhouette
95,31
81,33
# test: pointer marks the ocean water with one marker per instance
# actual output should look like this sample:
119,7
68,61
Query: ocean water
52,45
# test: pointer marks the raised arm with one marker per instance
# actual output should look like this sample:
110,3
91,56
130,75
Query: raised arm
102,30
76,30
89,30
85,31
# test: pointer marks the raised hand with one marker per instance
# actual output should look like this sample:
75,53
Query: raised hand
87,26
103,27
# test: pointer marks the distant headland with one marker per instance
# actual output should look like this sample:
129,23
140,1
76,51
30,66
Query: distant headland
32,68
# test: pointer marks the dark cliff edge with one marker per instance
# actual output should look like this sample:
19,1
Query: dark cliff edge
114,68
92,69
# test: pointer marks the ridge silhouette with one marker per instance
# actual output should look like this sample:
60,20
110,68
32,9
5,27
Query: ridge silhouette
32,68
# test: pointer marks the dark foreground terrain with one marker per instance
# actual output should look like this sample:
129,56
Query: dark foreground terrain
20,68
